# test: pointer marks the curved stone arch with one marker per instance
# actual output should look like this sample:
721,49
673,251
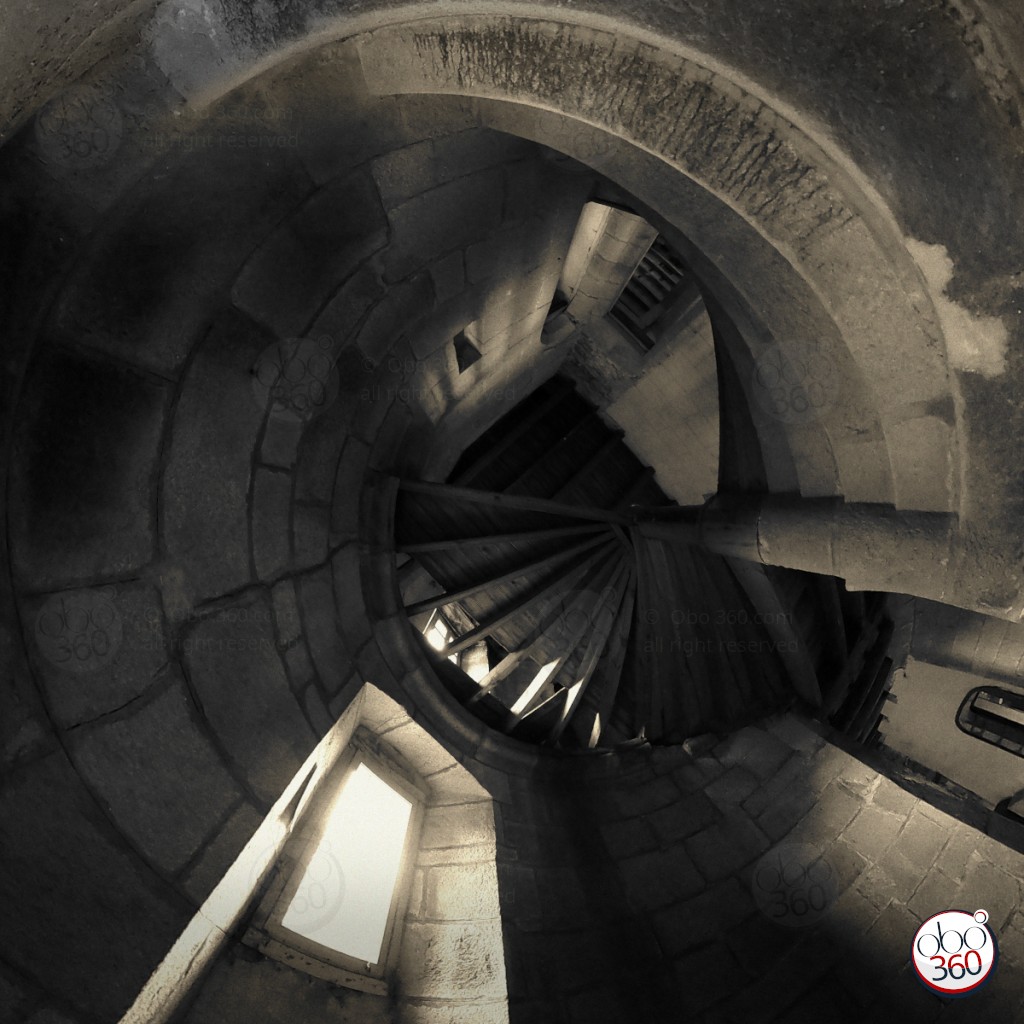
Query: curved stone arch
806,219
833,254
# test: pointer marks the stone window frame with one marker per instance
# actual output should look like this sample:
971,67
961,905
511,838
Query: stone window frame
266,931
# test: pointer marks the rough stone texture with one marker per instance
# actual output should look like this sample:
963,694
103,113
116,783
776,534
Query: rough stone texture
235,669
147,764
68,923
88,433
148,248
206,484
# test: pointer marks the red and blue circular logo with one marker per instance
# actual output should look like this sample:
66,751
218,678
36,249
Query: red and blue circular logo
955,953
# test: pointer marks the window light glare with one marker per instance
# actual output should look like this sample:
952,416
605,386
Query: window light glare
362,842
437,637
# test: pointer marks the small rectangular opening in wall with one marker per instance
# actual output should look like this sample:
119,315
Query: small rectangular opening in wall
466,351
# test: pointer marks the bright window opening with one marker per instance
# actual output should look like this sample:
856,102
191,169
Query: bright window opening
362,844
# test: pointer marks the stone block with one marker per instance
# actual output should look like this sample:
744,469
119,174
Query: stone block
893,877
310,536
287,280
457,825
733,787
238,677
343,313
629,837
280,442
790,778
921,840
96,649
449,276
317,460
686,816
706,976
643,798
756,750
75,896
461,892
795,734
833,811
220,852
206,482
453,961
348,486
317,712
286,612
937,892
149,767
407,172
392,318
145,292
725,848
704,918
956,854
660,878
271,504
891,797
86,439
423,752
873,831
300,666
323,622
786,812
446,218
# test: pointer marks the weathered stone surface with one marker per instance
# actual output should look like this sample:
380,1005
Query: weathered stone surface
323,622
233,662
206,484
284,284
453,961
82,500
461,892
65,910
123,650
147,766
458,825
220,852
656,879
271,506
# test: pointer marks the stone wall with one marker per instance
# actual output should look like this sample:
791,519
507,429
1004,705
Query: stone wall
681,838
